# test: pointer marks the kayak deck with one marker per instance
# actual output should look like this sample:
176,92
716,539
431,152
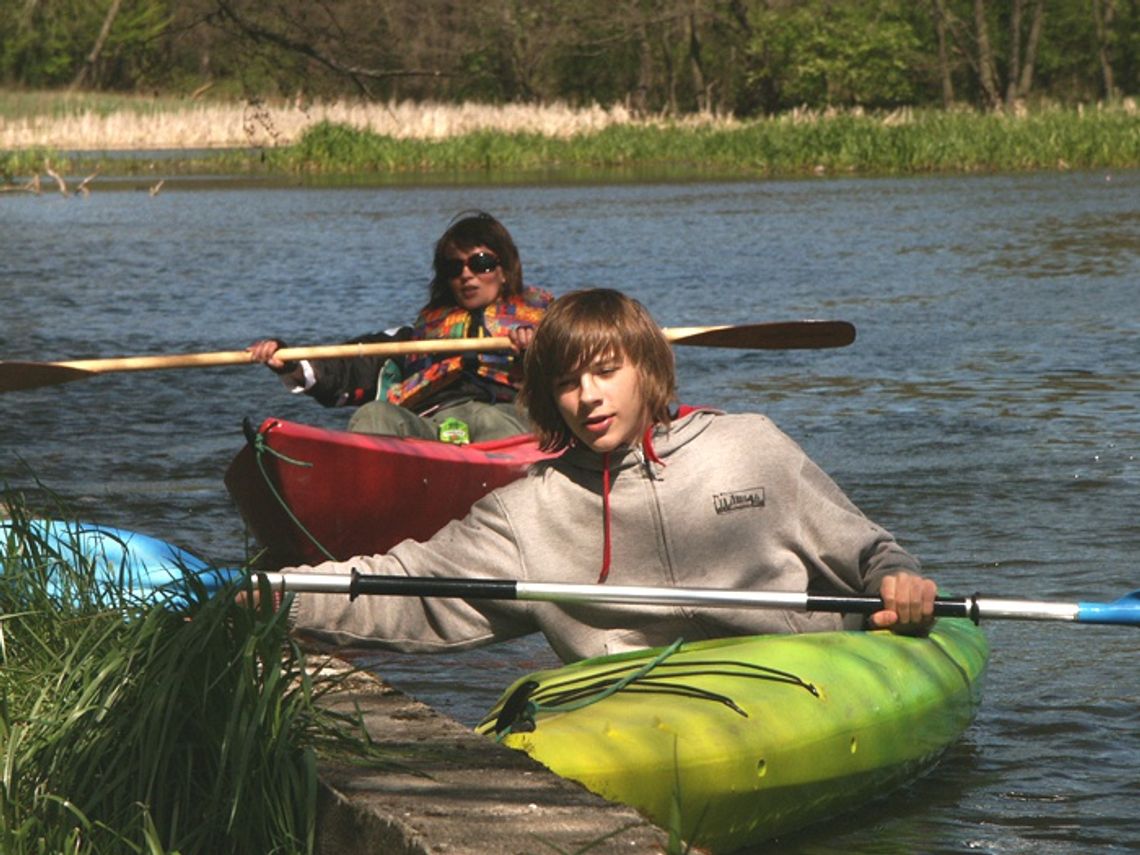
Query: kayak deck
734,741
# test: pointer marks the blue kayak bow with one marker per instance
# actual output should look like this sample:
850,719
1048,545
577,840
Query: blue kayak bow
153,570
144,568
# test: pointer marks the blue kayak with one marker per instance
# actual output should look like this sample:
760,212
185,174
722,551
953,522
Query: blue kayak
139,567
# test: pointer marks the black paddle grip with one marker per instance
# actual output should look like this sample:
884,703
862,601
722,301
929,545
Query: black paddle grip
404,586
943,606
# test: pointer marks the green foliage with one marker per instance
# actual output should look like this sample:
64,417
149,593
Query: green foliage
44,44
15,165
1067,65
669,57
905,142
327,145
825,53
133,58
591,66
132,728
481,77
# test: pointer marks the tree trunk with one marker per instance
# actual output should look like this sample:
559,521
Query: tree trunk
1014,52
640,96
987,71
1104,12
670,69
941,27
704,104
104,33
518,55
1025,78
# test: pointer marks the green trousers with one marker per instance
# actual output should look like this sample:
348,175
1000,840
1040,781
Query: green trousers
484,421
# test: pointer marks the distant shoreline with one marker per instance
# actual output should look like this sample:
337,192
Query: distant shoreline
472,142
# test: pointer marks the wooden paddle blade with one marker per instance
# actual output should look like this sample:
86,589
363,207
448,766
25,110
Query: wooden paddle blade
15,376
787,335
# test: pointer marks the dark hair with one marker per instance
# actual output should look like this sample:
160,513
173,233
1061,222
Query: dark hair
468,230
584,326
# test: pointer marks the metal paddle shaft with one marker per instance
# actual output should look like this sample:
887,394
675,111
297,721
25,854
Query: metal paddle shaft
1126,610
779,335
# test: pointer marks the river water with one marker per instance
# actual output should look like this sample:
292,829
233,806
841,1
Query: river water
988,413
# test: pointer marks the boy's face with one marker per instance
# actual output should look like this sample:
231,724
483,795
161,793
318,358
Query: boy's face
601,402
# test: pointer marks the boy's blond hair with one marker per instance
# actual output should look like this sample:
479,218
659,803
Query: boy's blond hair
579,329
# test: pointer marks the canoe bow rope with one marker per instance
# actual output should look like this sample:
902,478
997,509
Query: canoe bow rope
256,439
519,711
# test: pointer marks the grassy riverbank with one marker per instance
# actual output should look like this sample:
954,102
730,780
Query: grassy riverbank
482,142
125,727
906,143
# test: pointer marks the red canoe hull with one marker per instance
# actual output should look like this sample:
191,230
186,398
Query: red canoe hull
309,491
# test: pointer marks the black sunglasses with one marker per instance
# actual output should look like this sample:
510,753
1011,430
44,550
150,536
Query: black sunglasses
479,262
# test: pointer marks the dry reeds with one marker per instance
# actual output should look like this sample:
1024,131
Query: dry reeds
192,125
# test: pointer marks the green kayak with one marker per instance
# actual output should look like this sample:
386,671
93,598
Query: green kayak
734,741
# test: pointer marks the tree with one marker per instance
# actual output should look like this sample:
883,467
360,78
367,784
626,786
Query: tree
1021,64
327,43
835,53
942,32
104,32
656,56
1104,14
104,44
985,63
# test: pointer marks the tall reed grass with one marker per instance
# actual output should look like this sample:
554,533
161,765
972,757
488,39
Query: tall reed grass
475,140
849,143
130,728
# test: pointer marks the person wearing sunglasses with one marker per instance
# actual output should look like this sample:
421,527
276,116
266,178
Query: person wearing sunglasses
477,291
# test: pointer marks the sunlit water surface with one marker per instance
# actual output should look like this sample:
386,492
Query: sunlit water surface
987,413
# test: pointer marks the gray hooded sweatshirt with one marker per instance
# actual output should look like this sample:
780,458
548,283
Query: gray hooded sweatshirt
714,500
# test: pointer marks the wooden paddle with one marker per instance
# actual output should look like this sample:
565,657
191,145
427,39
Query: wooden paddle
786,335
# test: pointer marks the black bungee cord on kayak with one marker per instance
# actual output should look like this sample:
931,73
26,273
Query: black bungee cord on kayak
518,712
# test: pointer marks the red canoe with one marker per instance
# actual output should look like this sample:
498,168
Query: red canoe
309,493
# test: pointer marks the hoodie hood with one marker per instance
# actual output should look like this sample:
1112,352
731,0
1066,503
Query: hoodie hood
664,440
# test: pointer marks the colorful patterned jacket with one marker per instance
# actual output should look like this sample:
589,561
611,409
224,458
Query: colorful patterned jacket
424,376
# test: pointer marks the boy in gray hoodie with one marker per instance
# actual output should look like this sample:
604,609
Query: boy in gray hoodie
640,495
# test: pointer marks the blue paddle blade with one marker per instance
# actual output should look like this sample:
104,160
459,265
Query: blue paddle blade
143,569
1126,610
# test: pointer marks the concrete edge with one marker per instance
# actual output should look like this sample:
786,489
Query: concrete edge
456,791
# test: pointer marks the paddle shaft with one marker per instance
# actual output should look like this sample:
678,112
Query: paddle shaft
781,335
286,354
973,607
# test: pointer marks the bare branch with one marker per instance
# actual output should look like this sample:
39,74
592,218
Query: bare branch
83,188
354,73
58,178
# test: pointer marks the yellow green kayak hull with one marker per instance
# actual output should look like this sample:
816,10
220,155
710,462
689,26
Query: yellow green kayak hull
733,741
